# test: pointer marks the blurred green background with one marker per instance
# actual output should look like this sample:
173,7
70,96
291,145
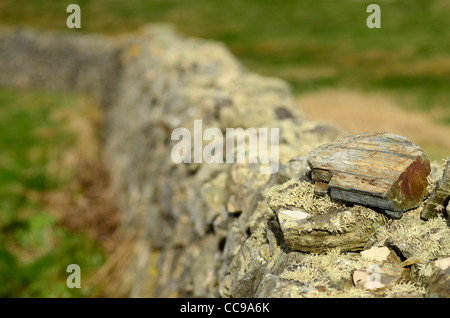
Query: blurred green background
395,78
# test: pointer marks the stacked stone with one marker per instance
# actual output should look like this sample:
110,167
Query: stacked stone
226,230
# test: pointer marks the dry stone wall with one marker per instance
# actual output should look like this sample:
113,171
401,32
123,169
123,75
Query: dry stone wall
214,228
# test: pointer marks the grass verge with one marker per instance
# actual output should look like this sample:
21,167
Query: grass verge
55,206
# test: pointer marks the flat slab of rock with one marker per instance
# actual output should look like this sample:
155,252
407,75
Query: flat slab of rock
349,229
376,169
314,224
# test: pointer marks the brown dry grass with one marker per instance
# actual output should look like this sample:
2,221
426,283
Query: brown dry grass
357,112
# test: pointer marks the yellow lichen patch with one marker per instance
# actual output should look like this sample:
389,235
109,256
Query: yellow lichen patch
318,269
333,267
404,289
425,240
351,292
299,194
340,223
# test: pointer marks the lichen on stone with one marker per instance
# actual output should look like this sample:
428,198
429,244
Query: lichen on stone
331,267
412,236
351,292
404,289
314,224
299,194
425,270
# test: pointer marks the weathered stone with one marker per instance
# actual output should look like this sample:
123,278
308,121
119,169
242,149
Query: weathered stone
439,286
420,242
314,224
380,254
295,168
410,261
376,253
233,242
412,237
243,182
436,203
376,169
247,270
326,275
384,277
448,214
442,263
424,272
377,277
347,229
274,286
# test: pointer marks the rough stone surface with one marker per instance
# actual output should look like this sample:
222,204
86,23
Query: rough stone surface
377,277
376,169
448,214
440,197
379,254
316,225
440,285
211,229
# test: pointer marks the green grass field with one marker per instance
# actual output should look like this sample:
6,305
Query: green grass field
311,44
35,249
